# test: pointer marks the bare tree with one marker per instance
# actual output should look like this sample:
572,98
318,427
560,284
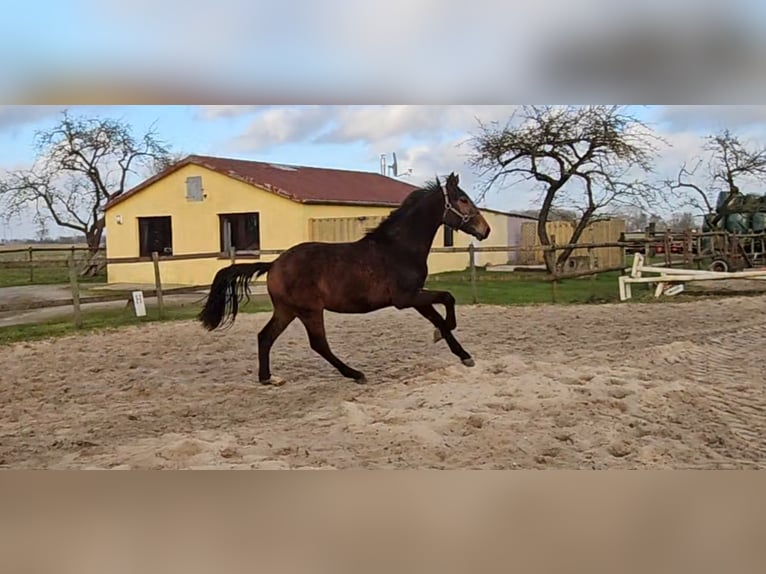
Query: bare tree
81,164
165,162
728,163
636,219
682,221
583,158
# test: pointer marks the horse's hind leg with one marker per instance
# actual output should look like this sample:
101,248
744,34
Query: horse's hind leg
314,323
266,337
442,327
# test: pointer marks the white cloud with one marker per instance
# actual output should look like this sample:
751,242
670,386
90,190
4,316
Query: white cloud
373,123
430,160
427,139
213,113
378,126
283,125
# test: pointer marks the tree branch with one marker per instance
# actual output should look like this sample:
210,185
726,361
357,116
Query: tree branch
598,146
81,163
729,162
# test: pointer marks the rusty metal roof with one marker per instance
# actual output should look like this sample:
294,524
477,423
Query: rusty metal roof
302,184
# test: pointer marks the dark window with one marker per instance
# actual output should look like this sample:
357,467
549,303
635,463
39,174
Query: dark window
155,234
449,237
241,231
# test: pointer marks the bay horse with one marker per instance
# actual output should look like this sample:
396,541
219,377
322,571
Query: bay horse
387,267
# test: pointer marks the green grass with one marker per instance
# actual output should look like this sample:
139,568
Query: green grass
43,276
109,319
493,288
526,288
51,260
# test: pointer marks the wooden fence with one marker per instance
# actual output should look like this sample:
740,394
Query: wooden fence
33,259
603,232
66,257
76,301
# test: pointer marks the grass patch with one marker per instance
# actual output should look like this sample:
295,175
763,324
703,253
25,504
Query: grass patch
43,276
526,288
50,261
493,288
109,319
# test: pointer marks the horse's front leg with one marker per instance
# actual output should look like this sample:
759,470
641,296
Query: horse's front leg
425,297
441,329
423,301
443,298
446,299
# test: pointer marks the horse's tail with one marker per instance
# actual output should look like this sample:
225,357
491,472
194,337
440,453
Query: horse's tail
230,286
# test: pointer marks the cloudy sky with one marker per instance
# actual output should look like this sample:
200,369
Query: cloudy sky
429,139
397,50
350,51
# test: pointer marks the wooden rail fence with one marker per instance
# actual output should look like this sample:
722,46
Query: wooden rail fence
77,302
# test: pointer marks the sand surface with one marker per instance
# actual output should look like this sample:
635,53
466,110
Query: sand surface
672,385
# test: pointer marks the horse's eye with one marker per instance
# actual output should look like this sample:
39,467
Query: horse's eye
463,200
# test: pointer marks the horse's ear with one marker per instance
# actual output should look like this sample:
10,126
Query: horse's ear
457,177
438,183
452,181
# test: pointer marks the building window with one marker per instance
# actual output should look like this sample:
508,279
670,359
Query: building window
242,231
194,188
449,236
155,234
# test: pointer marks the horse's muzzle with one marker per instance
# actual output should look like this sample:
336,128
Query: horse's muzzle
480,228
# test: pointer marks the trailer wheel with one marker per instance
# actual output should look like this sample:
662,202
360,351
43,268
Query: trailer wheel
719,266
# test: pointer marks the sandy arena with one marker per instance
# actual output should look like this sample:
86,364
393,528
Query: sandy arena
672,385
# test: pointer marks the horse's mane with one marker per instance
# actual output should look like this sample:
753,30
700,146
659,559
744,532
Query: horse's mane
407,206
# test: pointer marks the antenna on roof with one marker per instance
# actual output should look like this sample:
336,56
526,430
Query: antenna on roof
382,164
394,167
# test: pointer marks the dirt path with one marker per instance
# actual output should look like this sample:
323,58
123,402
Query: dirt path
672,385
20,295
8,318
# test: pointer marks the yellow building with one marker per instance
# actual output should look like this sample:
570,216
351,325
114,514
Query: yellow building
203,206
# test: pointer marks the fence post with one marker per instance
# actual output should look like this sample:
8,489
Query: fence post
554,283
592,265
554,288
75,291
31,267
688,247
472,265
158,283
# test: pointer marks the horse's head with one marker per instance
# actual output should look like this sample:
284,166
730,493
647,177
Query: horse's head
460,212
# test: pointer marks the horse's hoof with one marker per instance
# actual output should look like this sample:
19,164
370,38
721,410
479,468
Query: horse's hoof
358,377
274,381
437,336
469,362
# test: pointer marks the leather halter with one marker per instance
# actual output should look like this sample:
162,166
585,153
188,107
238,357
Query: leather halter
464,218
